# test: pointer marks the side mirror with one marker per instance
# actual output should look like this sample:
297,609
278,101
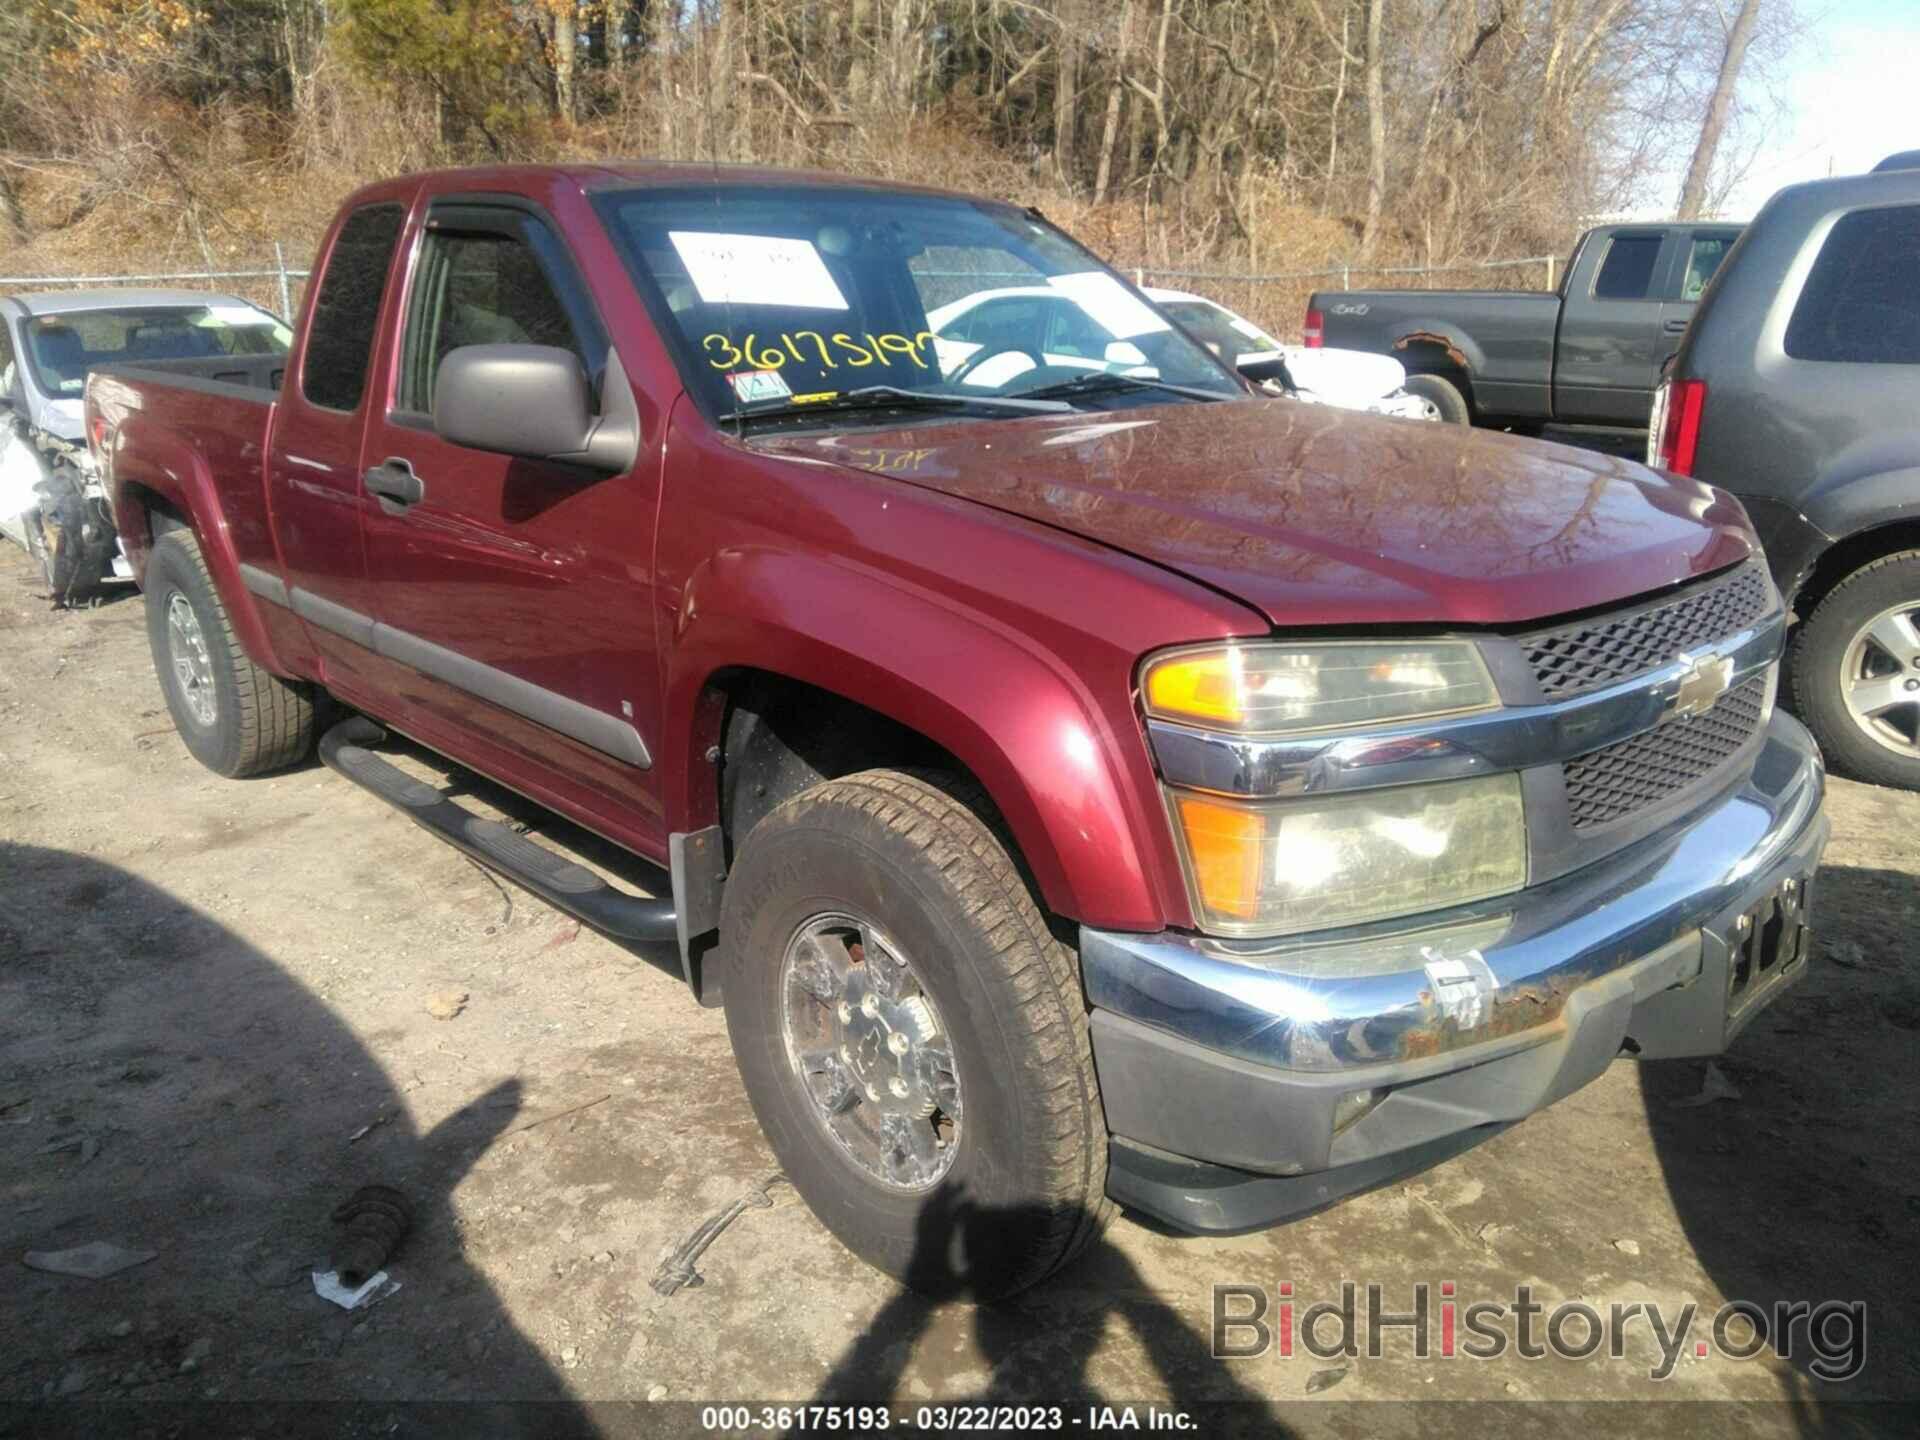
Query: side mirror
1124,352
534,401
1261,371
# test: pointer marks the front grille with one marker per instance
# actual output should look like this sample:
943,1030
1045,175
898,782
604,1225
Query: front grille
1613,783
1588,654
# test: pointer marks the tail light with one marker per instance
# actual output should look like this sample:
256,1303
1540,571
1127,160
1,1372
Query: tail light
1316,329
101,432
1673,432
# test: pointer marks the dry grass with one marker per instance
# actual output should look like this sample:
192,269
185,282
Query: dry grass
254,182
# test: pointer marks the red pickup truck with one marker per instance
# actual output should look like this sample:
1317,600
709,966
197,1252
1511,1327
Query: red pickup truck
1081,779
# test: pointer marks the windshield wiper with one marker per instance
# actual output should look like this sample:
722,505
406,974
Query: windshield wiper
1098,380
897,397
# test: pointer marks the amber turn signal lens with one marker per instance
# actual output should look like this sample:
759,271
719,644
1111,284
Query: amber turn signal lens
1199,687
1224,848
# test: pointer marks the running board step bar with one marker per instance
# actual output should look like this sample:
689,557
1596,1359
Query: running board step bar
631,920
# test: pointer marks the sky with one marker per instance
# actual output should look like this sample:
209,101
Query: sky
1852,95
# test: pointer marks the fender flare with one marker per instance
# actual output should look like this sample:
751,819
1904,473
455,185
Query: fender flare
1850,505
1068,779
1461,348
172,468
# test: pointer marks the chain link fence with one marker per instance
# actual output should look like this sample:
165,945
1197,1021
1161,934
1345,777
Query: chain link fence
1276,300
273,285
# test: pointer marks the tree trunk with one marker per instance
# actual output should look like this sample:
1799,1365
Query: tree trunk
1693,194
565,43
1066,91
1376,128
665,12
11,210
860,42
1333,115
1111,131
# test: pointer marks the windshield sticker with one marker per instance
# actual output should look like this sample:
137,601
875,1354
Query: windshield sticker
1117,310
757,270
810,347
752,385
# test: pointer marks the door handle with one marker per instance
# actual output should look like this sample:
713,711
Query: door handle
1675,327
394,484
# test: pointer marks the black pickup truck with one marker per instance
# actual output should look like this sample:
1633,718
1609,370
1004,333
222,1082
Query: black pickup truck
1588,353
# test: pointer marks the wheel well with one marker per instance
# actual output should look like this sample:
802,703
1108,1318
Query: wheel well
161,514
780,736
1433,355
1843,557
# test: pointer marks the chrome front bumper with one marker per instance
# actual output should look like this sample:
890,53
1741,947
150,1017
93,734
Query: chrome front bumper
1237,1054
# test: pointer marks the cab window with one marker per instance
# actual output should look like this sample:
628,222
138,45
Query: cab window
479,285
1703,258
1627,272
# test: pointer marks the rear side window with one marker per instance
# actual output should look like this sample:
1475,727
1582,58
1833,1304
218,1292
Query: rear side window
1627,272
347,312
1861,302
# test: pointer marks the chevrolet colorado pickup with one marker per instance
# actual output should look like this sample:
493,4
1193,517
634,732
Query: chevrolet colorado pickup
1088,787
1587,354
1795,389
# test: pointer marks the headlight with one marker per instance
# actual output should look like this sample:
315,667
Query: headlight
1279,867
1273,689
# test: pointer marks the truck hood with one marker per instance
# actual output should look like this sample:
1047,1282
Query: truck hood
1317,516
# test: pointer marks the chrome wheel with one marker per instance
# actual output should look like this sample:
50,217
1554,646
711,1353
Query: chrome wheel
871,1052
192,665
1880,679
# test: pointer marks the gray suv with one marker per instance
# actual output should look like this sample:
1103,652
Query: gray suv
1798,388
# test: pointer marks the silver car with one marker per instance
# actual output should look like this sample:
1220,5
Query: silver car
50,496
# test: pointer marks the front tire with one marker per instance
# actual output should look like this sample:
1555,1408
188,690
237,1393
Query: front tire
1855,667
888,972
1444,395
235,717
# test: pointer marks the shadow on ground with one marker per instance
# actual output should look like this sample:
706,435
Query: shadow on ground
1038,1347
1806,1186
176,1091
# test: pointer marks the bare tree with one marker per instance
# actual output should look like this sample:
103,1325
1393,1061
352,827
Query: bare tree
1693,192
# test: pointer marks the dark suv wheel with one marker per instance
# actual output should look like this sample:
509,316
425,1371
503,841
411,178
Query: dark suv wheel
1856,672
912,1035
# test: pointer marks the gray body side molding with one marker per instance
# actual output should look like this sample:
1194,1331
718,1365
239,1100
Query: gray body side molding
606,733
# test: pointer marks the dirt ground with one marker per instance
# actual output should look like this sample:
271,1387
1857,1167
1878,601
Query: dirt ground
210,990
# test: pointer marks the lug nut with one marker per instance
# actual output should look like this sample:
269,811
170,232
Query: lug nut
898,1087
873,1094
897,1042
870,1006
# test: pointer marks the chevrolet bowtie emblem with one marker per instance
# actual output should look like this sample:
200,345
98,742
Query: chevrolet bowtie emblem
1704,680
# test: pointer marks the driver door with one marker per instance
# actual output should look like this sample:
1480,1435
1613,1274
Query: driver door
516,593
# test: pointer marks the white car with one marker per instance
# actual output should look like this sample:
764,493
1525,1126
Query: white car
1351,379
992,336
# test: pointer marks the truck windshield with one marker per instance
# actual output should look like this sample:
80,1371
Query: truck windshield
777,297
62,348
